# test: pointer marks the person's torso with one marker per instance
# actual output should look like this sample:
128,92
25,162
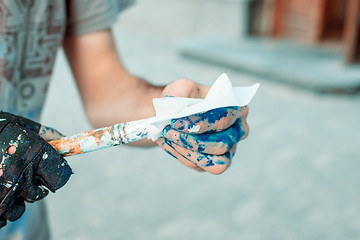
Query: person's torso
30,33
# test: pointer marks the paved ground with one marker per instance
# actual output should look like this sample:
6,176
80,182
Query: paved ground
294,177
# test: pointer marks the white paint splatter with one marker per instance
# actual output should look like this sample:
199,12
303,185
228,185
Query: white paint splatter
64,149
194,129
106,138
88,144
14,143
116,132
4,157
8,184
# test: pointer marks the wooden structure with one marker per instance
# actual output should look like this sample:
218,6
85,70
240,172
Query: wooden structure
352,32
311,21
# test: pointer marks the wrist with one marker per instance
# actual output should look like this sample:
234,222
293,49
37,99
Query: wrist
128,99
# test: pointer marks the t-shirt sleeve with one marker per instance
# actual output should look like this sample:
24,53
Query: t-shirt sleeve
85,16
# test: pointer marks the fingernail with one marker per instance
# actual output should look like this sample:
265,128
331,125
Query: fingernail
165,130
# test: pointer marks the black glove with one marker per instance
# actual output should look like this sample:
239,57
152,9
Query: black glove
24,174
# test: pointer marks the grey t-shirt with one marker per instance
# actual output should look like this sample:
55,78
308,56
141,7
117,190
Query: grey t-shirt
31,32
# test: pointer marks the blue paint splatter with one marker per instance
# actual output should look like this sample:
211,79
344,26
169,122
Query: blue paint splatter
165,130
170,144
183,140
170,154
210,117
201,147
229,137
209,163
180,122
200,157
214,115
219,162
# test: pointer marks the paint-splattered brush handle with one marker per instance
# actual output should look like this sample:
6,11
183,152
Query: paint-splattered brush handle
101,138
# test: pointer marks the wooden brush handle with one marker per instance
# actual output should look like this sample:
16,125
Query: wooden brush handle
101,138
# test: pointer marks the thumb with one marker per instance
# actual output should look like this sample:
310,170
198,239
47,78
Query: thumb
185,88
45,132
53,170
49,134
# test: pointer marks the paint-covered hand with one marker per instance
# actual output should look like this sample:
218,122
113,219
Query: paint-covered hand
206,141
28,164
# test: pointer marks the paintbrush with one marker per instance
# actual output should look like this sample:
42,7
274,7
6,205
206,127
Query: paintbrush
221,94
101,138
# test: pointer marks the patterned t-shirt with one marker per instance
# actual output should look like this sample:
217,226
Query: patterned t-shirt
31,31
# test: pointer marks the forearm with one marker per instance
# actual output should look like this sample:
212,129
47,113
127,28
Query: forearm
109,92
120,101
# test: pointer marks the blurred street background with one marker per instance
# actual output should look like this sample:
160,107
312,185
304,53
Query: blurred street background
296,176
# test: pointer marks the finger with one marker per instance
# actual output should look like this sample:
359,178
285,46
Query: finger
210,163
16,211
48,133
167,148
217,143
185,88
27,123
215,164
53,170
210,121
2,222
34,193
203,90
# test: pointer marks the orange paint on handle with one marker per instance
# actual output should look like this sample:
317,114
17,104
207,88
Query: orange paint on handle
101,138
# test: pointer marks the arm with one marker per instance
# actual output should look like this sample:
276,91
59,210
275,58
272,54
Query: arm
112,95
109,92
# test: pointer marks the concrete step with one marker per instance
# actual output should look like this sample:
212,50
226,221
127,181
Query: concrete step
314,68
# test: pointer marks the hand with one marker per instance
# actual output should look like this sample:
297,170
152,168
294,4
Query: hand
206,141
28,165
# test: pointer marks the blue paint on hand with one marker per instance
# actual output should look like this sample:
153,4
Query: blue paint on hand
219,162
202,142
180,122
170,154
166,129
209,163
185,142
209,118
214,115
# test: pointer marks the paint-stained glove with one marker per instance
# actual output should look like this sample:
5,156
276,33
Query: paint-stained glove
25,172
205,141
